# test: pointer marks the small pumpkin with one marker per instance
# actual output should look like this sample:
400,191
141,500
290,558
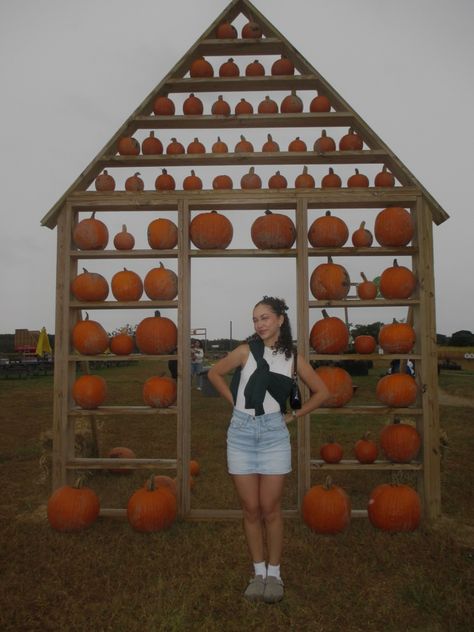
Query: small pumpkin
339,384
331,180
255,69
122,344
362,237
268,106
156,335
243,146
193,106
126,286
365,449
397,282
400,442
365,344
291,104
328,231
196,147
273,230
134,183
397,390
90,234
367,290
357,180
277,181
151,509
222,182
165,182
128,146
192,182
211,231
251,30
324,143
219,147
175,147
330,281
152,146
72,508
351,141
384,178
194,468
326,508
89,391
283,66
226,30
394,508
220,107
124,240
159,391
163,106
229,69
331,452
104,182
121,452
200,67
329,335
304,180
394,226
397,337
243,107
162,234
251,180
161,284
297,145
89,337
89,286
320,103
271,145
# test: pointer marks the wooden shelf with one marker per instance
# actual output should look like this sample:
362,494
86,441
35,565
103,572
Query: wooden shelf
147,304
367,410
204,515
104,411
285,83
373,251
125,464
110,357
336,357
356,302
124,254
350,464
240,46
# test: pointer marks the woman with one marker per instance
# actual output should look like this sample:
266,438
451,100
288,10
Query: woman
258,444
197,359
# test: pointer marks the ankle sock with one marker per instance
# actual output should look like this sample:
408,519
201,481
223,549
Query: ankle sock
260,569
273,571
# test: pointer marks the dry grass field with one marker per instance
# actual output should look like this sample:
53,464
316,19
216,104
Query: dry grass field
112,579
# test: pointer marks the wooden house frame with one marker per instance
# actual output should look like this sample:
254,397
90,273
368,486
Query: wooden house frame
409,194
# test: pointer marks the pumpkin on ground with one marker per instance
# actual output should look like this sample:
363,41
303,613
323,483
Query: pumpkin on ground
124,240
394,226
126,286
397,390
400,442
273,230
329,335
72,508
326,508
397,337
89,286
161,284
90,234
330,281
394,508
162,234
89,337
211,231
151,509
331,452
365,449
89,391
121,452
328,231
397,282
156,335
339,384
122,344
159,392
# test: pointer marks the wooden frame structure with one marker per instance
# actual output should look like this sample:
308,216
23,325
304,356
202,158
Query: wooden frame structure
409,194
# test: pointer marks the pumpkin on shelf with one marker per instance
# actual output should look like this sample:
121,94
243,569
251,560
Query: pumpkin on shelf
272,231
251,180
400,442
357,180
121,452
89,337
255,69
243,146
270,145
222,182
122,344
324,143
89,286
326,508
152,146
367,290
89,391
365,449
175,147
394,508
161,284
192,182
159,391
331,452
134,183
219,147
104,182
156,335
330,281
226,30
128,146
162,234
329,335
362,237
291,104
331,180
297,145
384,178
90,234
320,103
196,147
365,344
165,182
200,67
163,106
277,181
268,106
229,69
126,286
351,141
397,337
251,30
339,384
73,507
328,231
220,107
397,390
151,509
394,227
283,66
304,180
193,106
397,282
211,230
243,107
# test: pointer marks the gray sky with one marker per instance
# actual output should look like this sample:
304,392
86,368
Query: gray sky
72,72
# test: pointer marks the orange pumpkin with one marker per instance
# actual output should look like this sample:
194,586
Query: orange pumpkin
161,284
291,104
128,146
196,147
324,143
122,344
367,290
89,391
162,234
229,69
220,107
192,182
331,180
283,66
243,107
305,180
89,337
329,335
297,145
105,182
270,145
394,508
357,180
151,509
339,384
194,467
273,230
226,30
397,282
268,106
320,103
251,30
222,182
394,227
159,391
90,286
397,390
156,335
365,344
397,337
121,452
330,281
90,234
400,442
175,148
192,105
243,146
124,240
326,508
277,181
165,182
219,147
134,183
127,286
365,449
163,106
351,141
211,231
251,180
331,452
255,69
328,231
72,508
384,178
200,67
152,146
362,237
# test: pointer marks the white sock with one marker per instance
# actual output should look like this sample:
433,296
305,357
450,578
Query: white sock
260,569
273,571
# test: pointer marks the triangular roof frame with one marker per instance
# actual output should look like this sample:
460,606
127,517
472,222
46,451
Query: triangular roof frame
274,42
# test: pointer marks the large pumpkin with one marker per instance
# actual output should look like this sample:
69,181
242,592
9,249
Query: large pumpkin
397,337
159,392
89,337
329,335
397,282
400,442
162,234
72,508
326,508
156,335
273,230
127,286
90,234
90,286
330,281
89,391
394,226
151,509
161,284
339,384
397,390
211,231
328,231
394,508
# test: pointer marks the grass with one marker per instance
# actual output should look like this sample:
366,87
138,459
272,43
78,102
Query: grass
109,578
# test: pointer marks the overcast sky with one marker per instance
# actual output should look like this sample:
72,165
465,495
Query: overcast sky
72,72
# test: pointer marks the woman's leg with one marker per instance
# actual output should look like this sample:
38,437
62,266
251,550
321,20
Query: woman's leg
247,486
270,493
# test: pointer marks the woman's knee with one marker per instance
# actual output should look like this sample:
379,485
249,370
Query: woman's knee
252,512
270,512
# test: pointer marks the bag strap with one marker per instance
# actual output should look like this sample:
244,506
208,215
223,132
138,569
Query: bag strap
295,364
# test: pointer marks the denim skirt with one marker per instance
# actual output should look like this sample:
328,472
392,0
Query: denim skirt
258,445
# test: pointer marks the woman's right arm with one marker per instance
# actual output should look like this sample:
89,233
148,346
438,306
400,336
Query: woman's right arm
237,357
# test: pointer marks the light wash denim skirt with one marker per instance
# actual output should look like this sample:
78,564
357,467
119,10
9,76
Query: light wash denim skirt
258,445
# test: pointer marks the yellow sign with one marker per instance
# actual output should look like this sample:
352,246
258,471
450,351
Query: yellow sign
43,346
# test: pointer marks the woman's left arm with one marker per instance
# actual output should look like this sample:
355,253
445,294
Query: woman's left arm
319,391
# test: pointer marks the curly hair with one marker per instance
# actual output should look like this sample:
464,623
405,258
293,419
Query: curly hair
285,339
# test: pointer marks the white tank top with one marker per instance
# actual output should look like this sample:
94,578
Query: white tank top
278,363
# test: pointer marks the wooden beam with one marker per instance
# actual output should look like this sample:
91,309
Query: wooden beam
107,411
356,302
349,464
146,304
123,464
243,84
234,47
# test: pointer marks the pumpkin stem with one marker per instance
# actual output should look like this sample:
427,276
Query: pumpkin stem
252,170
395,264
161,264
363,276
93,215
269,137
124,228
362,225
220,97
136,174
231,59
150,484
357,171
328,214
328,483
174,140
331,170
79,482
305,170
325,314
152,135
164,172
367,435
329,259
242,138
323,134
192,172
268,212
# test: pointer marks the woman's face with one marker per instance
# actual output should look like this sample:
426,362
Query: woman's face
266,323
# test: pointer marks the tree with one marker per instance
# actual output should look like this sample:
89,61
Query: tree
462,338
371,329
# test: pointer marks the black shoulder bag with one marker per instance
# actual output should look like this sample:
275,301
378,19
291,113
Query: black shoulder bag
295,395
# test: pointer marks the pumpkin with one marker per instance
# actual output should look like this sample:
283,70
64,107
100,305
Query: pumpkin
397,282
400,442
165,182
255,69
89,337
220,107
304,180
159,391
165,481
362,237
365,449
122,344
277,181
297,145
222,182
72,508
162,234
89,391
324,143
270,145
326,508
229,69
283,66
329,335
124,240
134,183
219,147
161,284
156,335
365,344
226,30
126,286
175,147
152,146
163,106
291,104
192,105
211,231
104,182
320,103
351,141
151,509
243,107
273,230
367,290
397,390
397,337
394,508
331,180
268,106
251,30
128,146
121,452
90,234
194,467
357,180
192,182
328,231
330,281
243,146
90,286
251,180
394,227
200,67
331,452
339,384
196,147
384,178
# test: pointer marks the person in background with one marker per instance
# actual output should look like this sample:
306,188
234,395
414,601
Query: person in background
197,359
